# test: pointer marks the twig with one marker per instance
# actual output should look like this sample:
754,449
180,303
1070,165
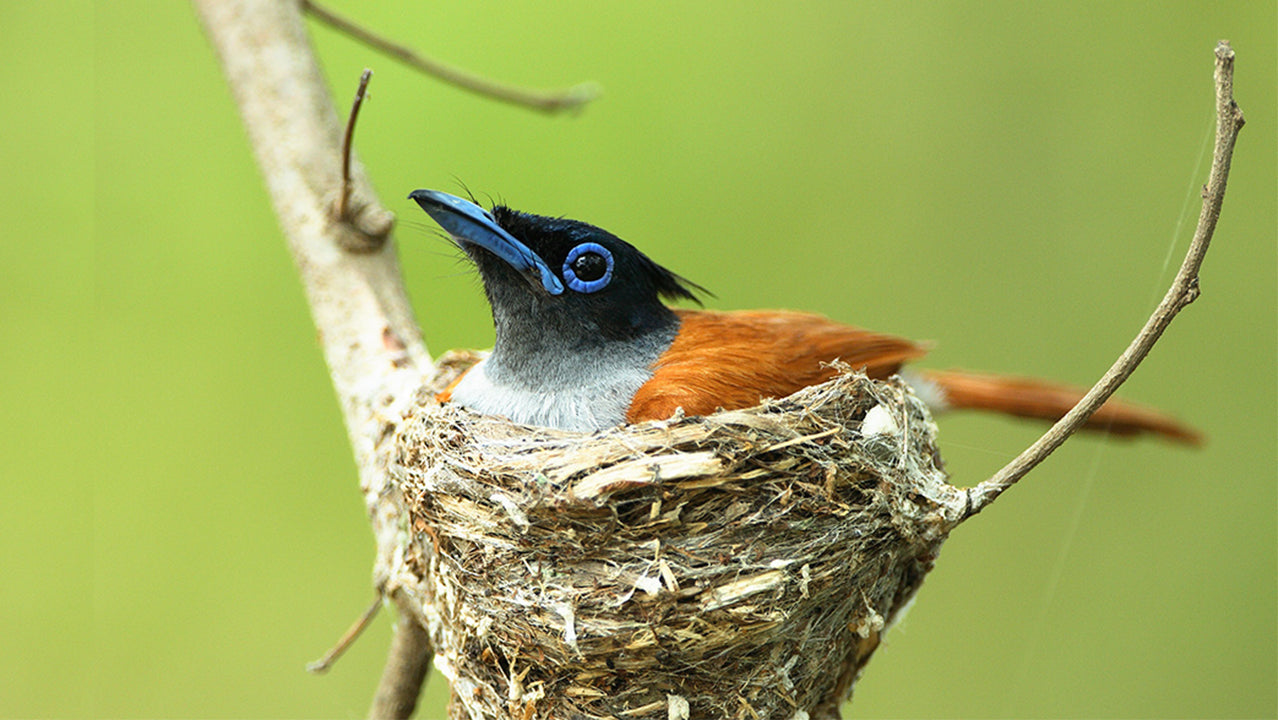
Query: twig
345,195
355,631
549,102
1184,291
406,668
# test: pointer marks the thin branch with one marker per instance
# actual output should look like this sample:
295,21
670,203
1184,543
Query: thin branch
549,102
407,665
345,195
350,636
1184,291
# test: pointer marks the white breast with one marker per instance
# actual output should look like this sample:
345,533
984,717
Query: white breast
565,403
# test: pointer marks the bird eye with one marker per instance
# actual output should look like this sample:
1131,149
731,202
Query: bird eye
588,268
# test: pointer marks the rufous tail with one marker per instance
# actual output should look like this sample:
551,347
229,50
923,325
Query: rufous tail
1031,398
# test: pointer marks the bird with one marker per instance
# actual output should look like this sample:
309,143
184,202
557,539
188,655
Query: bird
585,342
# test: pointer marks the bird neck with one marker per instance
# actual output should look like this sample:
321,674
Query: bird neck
558,373
549,352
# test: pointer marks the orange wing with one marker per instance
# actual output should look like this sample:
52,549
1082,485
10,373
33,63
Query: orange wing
732,360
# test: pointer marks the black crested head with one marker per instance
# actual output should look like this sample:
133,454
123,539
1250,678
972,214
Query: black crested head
554,282
611,289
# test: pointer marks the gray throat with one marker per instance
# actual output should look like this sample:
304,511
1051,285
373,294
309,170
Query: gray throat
581,389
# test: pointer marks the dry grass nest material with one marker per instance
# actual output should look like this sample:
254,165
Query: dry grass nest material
742,564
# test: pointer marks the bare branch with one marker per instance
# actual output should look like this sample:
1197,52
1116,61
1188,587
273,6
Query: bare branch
549,102
406,669
1184,291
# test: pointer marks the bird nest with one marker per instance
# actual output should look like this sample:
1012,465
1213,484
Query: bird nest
743,564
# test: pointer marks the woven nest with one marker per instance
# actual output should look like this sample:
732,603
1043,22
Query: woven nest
741,565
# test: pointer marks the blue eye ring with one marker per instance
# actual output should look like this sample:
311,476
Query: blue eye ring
587,286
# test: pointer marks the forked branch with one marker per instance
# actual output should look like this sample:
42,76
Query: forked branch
1184,291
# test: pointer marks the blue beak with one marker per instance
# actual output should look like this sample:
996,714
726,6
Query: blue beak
470,223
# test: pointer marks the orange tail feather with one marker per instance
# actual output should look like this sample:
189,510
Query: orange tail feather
1026,397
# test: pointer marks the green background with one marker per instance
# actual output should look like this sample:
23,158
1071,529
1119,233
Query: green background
181,524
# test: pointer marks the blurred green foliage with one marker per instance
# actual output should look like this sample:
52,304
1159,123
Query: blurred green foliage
182,528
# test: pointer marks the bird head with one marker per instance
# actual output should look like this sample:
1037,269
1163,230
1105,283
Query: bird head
554,276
